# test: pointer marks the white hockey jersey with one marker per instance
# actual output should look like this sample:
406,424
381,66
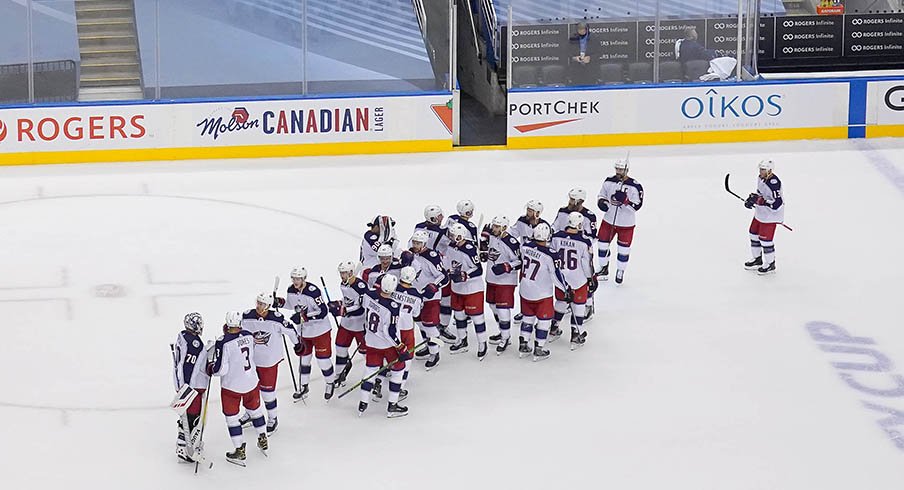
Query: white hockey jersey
773,210
430,270
233,361
267,331
472,228
372,275
575,252
500,251
381,319
464,258
561,221
310,310
352,296
523,230
626,212
410,303
369,246
539,273
436,236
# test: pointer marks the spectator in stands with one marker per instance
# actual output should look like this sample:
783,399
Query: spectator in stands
579,65
690,49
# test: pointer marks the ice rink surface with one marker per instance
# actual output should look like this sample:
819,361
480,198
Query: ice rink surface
697,374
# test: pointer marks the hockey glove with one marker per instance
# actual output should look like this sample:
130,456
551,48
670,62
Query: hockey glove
402,350
592,284
279,302
431,289
569,295
502,268
336,308
459,276
620,197
299,347
484,256
406,258
751,200
760,201
603,204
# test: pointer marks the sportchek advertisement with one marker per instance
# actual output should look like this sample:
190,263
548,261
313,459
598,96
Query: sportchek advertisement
677,109
285,122
885,103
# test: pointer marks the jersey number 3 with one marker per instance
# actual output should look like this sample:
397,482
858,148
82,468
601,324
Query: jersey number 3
247,352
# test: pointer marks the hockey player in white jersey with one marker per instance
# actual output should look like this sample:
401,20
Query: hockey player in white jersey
381,319
576,198
539,277
430,279
267,327
575,254
619,199
466,273
189,369
438,241
503,268
306,300
352,313
465,210
523,229
769,205
386,265
411,301
381,232
233,361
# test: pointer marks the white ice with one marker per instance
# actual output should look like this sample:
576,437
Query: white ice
697,374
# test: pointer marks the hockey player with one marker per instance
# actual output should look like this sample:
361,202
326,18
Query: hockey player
770,211
539,275
411,303
386,265
504,266
431,277
575,252
576,198
381,232
189,354
620,198
381,317
267,328
465,210
305,299
352,313
466,273
523,229
233,360
438,241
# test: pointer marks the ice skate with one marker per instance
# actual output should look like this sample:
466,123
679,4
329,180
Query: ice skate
754,264
237,457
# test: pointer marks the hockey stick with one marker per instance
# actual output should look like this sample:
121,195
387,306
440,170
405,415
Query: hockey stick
728,189
196,446
285,344
348,366
381,371
328,301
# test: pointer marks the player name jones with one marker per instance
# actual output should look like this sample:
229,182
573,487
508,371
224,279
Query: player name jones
298,121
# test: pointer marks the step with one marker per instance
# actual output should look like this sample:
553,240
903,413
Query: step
102,13
109,82
118,72
106,58
108,42
102,4
116,29
90,94
105,64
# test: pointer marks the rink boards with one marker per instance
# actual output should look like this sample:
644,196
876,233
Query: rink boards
706,113
402,123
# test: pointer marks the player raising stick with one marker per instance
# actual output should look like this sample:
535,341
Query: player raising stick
575,252
539,275
233,360
620,198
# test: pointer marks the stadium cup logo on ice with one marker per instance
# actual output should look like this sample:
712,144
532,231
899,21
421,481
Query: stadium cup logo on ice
240,120
3,131
894,99
715,106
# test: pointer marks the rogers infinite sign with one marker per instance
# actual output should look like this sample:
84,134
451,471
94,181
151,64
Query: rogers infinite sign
74,128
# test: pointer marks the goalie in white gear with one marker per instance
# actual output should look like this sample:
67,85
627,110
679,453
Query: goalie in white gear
189,363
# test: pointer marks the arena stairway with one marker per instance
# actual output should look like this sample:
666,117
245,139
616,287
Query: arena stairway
108,46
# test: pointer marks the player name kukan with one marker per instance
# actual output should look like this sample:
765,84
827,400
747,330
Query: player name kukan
559,107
